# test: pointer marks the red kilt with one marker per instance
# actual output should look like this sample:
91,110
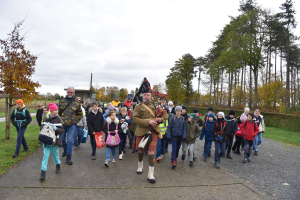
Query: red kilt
153,143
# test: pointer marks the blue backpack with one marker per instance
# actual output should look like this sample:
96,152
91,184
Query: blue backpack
19,122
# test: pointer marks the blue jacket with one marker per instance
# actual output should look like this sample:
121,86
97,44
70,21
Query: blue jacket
127,121
105,114
206,130
176,127
232,125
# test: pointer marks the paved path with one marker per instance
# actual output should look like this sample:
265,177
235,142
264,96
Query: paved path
89,179
2,119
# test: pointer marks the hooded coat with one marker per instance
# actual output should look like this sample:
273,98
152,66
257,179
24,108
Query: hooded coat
192,132
95,122
111,126
249,129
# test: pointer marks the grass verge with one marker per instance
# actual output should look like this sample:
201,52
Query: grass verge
282,135
2,114
7,147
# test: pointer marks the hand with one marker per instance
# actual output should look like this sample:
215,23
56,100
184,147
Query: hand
201,138
116,131
54,127
122,120
183,140
158,120
47,123
152,123
93,133
169,140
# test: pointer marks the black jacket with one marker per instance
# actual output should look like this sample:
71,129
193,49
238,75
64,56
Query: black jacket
111,128
59,129
19,116
39,116
95,122
232,126
220,127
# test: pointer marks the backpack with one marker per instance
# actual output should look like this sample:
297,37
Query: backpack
19,122
224,125
47,135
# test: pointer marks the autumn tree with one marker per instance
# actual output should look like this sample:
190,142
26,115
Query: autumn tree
17,65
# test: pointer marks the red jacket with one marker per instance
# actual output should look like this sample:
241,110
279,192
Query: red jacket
250,131
239,131
128,104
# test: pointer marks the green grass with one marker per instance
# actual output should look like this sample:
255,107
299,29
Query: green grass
7,147
282,135
2,114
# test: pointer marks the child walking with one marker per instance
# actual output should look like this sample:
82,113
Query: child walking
250,130
209,136
39,113
95,123
238,138
20,118
111,126
125,121
259,119
192,132
220,131
176,132
54,119
232,128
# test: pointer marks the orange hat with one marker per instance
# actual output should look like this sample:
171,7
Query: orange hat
20,101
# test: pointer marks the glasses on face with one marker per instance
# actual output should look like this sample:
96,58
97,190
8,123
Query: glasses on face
70,92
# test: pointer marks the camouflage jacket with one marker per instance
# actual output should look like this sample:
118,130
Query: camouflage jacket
72,114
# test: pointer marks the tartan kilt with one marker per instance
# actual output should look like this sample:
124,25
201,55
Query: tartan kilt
153,144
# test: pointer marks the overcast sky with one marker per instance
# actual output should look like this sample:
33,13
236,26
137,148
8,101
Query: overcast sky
120,42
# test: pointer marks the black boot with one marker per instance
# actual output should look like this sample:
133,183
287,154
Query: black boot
183,157
15,155
209,154
69,161
204,152
64,153
194,157
43,175
228,156
57,169
191,164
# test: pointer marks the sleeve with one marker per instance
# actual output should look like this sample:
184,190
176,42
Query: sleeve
226,131
78,113
59,129
263,125
235,128
198,131
28,117
165,117
242,127
105,128
102,123
169,128
38,117
184,130
128,121
201,122
202,133
137,117
90,128
119,129
213,129
59,108
12,118
256,129
84,120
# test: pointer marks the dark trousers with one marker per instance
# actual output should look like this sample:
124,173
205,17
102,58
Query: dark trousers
248,148
165,145
93,143
122,144
237,143
229,142
219,150
21,140
207,147
176,142
132,137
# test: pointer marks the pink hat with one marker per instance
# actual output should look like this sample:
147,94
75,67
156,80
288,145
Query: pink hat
111,107
52,107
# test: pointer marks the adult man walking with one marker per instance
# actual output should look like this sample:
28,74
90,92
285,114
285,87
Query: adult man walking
116,101
70,113
144,117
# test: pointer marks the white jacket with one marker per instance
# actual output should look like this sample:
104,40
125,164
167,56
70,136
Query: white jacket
261,125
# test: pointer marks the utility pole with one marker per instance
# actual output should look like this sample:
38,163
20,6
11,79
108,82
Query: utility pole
91,86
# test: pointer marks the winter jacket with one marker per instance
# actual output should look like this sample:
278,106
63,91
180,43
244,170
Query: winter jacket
220,128
115,103
127,121
127,104
206,131
82,122
232,126
250,130
205,119
192,132
185,116
71,114
199,121
18,119
111,128
260,123
133,126
59,129
95,122
239,132
176,127
39,116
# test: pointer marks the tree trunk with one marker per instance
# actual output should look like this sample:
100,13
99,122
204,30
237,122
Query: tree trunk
270,57
267,68
288,72
250,89
210,87
275,63
7,132
230,89
241,90
281,65
255,87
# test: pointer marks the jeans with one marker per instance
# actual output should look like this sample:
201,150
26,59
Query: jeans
248,148
257,141
229,142
176,142
77,135
237,144
55,155
132,137
184,149
113,151
166,144
160,148
207,146
219,146
69,132
122,144
21,140
93,143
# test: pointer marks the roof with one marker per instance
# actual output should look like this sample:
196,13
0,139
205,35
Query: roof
81,90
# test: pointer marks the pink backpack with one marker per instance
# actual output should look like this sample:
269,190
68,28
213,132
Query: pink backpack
112,140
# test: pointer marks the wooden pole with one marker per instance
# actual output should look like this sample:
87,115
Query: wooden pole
7,135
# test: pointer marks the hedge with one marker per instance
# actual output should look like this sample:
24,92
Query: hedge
287,121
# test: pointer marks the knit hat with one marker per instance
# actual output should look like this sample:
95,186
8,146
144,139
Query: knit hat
111,107
193,116
210,109
231,112
211,115
52,107
20,101
178,108
246,109
252,115
170,102
195,110
221,113
183,107
120,104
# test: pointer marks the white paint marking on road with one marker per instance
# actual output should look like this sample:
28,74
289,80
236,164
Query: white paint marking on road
286,184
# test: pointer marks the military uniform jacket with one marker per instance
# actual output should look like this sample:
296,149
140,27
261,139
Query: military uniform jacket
72,114
142,116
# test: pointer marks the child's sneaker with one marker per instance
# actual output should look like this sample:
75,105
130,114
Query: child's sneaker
174,164
249,159
158,159
219,161
120,156
183,157
217,165
113,160
106,164
93,157
245,160
205,159
255,153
